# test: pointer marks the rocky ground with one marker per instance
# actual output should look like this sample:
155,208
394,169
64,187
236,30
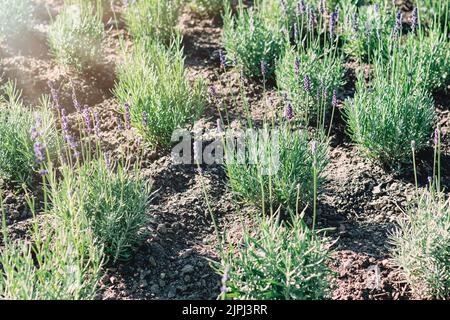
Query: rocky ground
360,199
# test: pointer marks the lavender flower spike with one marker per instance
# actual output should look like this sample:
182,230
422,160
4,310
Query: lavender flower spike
414,20
334,99
87,119
289,112
355,23
296,66
263,68
307,83
223,60
301,8
127,116
145,119
398,24
39,152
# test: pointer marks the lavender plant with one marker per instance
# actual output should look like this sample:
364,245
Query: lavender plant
153,18
307,80
250,43
61,260
384,117
112,195
152,81
367,32
277,261
76,36
21,130
276,168
420,241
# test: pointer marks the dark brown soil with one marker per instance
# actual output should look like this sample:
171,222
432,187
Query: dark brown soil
360,199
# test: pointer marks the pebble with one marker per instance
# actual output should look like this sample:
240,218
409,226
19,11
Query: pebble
161,228
187,269
152,261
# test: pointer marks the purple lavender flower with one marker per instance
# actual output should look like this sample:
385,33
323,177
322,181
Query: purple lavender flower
127,116
64,123
355,23
336,14
145,119
307,83
54,95
223,60
296,66
436,137
398,24
263,68
39,152
213,91
334,99
87,119
97,124
332,24
430,180
322,7
34,134
71,142
43,172
312,19
414,20
301,8
75,102
119,122
289,112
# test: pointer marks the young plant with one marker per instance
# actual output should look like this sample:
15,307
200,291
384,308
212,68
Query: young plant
308,79
277,261
76,36
250,43
276,167
114,200
384,118
155,19
152,83
60,260
420,243
367,32
15,18
20,127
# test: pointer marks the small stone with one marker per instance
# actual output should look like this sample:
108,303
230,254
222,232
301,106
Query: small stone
377,190
112,280
143,284
162,275
152,261
162,283
186,253
161,228
172,292
154,289
187,278
187,269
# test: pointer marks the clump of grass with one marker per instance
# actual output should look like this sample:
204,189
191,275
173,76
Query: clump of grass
277,167
17,161
277,261
153,18
207,7
152,81
250,43
15,17
308,79
384,117
76,35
